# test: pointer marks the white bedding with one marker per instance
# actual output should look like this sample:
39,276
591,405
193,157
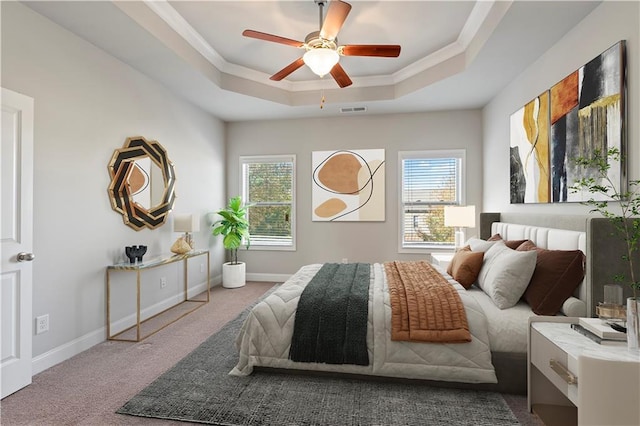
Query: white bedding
507,327
265,337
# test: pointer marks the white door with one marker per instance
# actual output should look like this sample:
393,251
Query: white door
16,206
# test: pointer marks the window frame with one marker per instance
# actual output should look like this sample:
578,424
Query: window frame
459,154
248,159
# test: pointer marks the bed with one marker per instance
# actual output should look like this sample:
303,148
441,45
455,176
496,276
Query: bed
495,358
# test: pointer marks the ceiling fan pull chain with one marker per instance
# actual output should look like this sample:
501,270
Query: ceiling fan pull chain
322,99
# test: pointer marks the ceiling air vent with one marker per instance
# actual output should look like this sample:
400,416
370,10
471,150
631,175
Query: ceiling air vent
347,110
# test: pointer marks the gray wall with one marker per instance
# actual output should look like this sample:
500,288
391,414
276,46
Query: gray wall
86,104
606,25
357,241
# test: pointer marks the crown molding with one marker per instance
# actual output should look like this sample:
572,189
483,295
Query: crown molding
480,23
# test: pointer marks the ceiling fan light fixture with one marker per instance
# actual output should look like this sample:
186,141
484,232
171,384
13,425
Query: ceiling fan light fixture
321,60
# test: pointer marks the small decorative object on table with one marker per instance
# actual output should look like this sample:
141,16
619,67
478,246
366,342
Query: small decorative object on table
135,253
180,246
612,308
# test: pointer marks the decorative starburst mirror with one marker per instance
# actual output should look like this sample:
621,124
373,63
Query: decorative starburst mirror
142,183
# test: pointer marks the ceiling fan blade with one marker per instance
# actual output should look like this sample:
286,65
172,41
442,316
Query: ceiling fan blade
340,76
384,50
336,15
287,70
270,37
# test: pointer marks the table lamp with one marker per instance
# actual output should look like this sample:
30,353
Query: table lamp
460,217
186,223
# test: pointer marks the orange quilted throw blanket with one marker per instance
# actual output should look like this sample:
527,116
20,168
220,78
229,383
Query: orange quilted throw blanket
425,307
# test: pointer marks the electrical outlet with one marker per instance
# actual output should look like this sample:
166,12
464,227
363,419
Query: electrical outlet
42,324
163,282
202,268
345,260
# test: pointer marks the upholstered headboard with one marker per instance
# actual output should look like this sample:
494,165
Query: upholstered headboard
548,238
595,236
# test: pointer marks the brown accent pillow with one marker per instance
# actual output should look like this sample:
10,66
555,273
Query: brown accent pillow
512,244
558,273
465,266
527,245
450,265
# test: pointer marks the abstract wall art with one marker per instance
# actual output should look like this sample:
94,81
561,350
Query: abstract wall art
581,115
587,110
348,185
529,152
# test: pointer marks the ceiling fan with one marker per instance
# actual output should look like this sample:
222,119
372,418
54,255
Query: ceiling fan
322,49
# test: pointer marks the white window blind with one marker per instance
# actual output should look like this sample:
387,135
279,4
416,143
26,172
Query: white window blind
268,186
430,180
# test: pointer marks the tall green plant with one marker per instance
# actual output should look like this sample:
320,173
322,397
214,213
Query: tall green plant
625,220
234,226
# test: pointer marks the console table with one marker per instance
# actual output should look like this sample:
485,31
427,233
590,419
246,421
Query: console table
138,268
573,380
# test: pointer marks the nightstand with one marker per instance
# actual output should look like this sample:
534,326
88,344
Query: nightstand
442,259
573,380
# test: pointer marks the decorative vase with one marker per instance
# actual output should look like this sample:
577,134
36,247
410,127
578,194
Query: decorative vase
233,276
633,331
135,253
180,246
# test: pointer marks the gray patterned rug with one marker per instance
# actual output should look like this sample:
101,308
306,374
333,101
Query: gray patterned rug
198,389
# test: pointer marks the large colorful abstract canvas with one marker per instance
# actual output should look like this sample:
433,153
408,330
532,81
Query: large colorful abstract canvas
580,116
348,185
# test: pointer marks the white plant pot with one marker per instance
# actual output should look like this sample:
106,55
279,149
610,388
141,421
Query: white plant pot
233,276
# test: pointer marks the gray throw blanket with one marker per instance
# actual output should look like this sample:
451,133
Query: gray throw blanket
331,318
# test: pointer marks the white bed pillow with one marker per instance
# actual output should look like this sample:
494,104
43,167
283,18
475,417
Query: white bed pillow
477,244
574,307
505,274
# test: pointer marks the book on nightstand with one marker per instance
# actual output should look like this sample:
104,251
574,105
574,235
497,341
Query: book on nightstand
601,329
601,341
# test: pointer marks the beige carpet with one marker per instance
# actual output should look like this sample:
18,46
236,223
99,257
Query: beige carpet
88,388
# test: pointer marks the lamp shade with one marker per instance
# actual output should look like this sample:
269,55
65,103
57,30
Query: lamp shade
321,60
460,216
186,223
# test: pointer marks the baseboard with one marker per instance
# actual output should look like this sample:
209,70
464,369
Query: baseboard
70,349
81,344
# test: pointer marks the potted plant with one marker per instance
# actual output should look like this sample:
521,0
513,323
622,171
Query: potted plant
234,226
626,222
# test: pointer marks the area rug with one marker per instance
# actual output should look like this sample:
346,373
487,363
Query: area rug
198,389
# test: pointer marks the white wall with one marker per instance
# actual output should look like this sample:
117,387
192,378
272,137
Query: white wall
86,104
606,25
357,241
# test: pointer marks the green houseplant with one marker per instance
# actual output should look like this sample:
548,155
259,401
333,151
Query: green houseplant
625,219
234,227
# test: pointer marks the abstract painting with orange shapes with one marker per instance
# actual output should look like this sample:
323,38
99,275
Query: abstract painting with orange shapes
579,117
348,185
587,114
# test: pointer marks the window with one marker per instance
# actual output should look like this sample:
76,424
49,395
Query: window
268,183
429,180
